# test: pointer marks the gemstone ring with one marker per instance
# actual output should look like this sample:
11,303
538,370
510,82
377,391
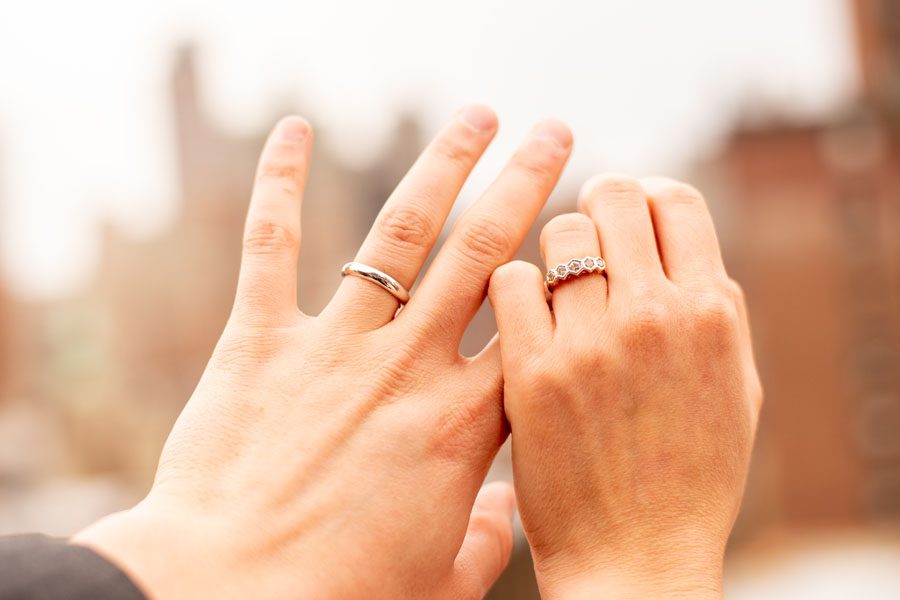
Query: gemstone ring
574,268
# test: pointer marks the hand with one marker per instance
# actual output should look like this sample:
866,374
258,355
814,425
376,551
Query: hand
633,404
339,456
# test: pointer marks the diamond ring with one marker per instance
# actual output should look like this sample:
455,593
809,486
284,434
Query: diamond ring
574,268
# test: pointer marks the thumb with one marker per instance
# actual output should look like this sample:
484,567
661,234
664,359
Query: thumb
488,544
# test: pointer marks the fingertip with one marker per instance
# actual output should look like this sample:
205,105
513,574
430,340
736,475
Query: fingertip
292,129
556,131
510,280
488,544
498,495
479,117
518,296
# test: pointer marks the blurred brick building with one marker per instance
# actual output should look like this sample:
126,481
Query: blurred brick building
812,231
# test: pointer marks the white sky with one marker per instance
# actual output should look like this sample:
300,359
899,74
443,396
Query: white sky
85,129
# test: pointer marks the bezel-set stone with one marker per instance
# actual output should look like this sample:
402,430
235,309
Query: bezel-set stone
573,268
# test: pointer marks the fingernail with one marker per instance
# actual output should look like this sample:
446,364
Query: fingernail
480,118
293,129
555,131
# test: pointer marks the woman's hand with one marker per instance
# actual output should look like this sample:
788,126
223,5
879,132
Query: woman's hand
339,456
633,404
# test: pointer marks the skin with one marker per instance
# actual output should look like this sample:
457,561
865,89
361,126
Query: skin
632,400
340,456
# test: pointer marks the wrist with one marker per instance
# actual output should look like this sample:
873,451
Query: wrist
620,586
663,577
164,555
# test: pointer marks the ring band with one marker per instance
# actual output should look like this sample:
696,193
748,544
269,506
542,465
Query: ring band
377,277
574,268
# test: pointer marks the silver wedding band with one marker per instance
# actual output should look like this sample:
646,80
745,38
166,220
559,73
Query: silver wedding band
574,268
377,277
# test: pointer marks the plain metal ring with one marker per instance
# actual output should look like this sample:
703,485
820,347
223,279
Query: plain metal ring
377,277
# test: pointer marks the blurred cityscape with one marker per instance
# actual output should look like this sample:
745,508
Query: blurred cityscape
809,217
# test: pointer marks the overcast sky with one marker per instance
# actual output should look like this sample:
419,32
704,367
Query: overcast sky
85,132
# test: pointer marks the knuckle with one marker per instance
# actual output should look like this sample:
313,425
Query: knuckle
285,172
483,242
538,167
587,354
269,236
651,315
545,373
407,227
715,318
760,395
549,382
716,306
515,271
618,189
454,151
569,225
649,326
736,292
513,274
757,392
678,192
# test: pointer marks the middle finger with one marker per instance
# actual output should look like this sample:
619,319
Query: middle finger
411,219
490,231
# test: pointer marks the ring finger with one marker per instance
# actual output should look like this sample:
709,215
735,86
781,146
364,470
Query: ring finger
410,221
564,238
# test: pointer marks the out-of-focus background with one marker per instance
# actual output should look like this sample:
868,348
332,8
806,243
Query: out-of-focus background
128,136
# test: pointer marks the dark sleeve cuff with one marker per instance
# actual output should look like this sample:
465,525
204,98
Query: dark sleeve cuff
37,567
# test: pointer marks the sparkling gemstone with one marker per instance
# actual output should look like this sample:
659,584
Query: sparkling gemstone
588,263
551,277
561,270
575,266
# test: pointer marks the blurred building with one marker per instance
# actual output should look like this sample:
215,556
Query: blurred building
92,383
812,218
810,223
164,302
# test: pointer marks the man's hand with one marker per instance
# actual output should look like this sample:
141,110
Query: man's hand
633,404
339,456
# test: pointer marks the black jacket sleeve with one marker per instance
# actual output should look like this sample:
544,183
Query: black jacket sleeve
36,567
